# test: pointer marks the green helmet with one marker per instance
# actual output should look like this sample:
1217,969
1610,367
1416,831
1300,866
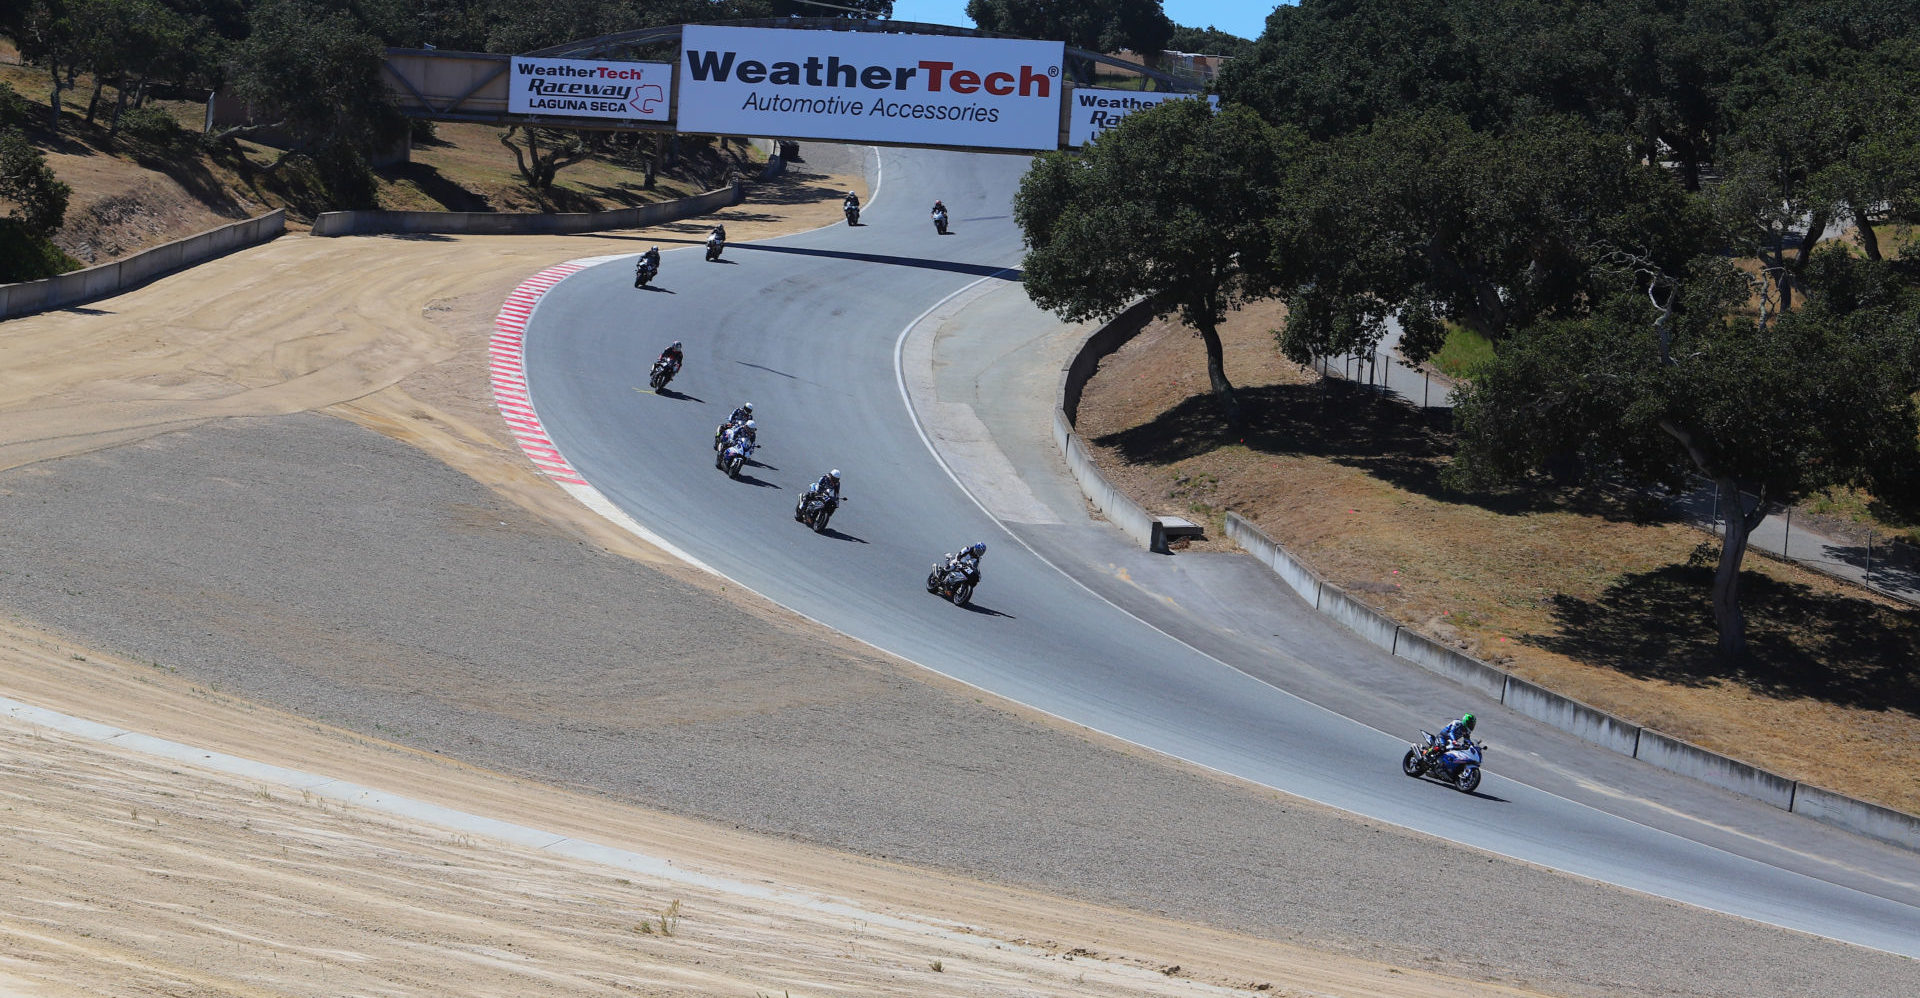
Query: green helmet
1467,719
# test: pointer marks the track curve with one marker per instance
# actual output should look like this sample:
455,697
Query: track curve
805,327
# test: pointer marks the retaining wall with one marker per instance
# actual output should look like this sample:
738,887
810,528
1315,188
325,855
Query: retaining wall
1523,697
1870,820
1297,576
1709,767
365,223
1571,716
1358,617
110,279
1118,509
1435,657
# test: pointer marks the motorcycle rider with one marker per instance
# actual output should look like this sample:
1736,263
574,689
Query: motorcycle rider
673,355
1457,734
939,206
969,560
650,260
827,488
741,414
745,433
852,200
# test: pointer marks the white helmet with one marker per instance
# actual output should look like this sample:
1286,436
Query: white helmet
750,424
746,406
834,474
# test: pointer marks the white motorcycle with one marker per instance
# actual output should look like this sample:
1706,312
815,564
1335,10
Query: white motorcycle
1456,765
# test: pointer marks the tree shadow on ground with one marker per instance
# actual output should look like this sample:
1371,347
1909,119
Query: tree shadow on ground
1803,644
1354,425
431,182
791,187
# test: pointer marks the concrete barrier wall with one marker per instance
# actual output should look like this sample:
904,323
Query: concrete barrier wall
1708,767
1358,617
1860,817
110,279
1297,576
365,223
1437,658
1120,510
1571,716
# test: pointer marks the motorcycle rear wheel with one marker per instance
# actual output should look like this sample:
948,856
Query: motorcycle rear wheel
1410,764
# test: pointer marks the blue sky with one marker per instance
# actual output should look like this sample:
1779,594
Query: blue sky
1246,18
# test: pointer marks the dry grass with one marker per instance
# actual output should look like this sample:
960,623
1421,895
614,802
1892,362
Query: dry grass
1566,590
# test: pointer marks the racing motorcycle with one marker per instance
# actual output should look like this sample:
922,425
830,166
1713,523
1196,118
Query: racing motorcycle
940,221
1459,768
643,271
731,459
715,243
815,509
853,213
662,373
953,581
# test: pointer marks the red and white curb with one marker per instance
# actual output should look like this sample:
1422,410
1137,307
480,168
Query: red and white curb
507,362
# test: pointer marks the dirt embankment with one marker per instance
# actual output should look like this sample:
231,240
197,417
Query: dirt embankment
1569,591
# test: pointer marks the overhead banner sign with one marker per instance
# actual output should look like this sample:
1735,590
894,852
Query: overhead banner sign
935,90
1095,111
577,88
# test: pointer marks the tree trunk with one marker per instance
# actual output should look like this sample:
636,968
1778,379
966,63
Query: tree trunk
119,105
1868,240
1217,372
93,103
53,101
1726,577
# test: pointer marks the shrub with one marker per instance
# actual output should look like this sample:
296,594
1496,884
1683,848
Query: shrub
151,124
14,108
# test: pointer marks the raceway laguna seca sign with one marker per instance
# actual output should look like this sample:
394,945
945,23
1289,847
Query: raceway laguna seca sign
936,90
577,88
1095,111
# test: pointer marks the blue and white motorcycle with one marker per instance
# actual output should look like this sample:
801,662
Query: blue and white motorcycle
1457,767
733,456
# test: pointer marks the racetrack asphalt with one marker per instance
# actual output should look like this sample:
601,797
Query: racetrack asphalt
308,563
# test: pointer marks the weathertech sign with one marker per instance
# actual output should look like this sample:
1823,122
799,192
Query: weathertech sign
936,90
576,88
1095,111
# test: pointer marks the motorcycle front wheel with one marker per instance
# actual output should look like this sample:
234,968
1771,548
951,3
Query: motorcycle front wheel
820,521
1468,779
962,593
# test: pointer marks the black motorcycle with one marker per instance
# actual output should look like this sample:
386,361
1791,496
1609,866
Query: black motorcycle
715,243
643,272
662,373
815,509
853,213
951,580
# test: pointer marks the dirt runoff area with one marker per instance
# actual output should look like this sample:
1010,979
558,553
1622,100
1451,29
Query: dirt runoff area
1571,592
131,874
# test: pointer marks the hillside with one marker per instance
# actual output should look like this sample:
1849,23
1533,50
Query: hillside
141,190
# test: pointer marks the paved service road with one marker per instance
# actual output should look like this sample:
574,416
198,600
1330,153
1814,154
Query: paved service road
805,327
